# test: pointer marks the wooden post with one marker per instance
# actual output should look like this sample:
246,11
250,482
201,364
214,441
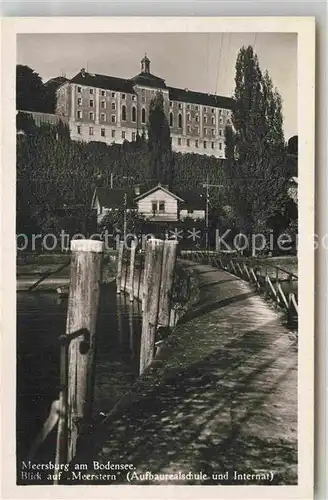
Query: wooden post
266,285
132,264
85,275
153,271
277,283
145,276
165,294
119,267
290,302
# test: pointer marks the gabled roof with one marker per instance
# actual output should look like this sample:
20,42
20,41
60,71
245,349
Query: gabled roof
202,98
103,82
155,188
113,197
149,80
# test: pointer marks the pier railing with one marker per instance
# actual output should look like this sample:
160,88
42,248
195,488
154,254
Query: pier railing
275,283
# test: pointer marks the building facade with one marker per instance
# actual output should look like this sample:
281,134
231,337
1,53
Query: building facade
111,110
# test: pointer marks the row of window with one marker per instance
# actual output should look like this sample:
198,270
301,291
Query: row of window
197,107
113,117
198,144
103,93
103,133
196,120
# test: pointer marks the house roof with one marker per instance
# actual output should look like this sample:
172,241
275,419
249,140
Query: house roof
202,98
103,82
56,81
113,197
149,80
155,188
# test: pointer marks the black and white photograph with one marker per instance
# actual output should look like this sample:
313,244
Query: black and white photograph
158,307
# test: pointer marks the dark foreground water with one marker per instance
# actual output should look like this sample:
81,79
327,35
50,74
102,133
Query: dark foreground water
41,318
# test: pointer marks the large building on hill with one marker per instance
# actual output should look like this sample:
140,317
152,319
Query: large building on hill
110,109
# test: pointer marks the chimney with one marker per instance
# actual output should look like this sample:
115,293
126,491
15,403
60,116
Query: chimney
137,190
83,72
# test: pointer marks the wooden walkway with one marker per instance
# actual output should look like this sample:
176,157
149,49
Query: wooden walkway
220,398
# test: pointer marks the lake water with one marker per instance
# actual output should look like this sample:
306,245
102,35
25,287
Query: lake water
41,318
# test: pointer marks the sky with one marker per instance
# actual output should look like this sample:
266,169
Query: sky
203,62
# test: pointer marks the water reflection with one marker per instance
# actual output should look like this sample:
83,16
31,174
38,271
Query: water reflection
41,318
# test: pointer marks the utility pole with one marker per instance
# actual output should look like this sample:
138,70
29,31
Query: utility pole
207,186
111,180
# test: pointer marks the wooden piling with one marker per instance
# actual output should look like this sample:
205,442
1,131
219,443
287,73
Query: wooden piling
167,277
85,275
119,267
132,266
153,271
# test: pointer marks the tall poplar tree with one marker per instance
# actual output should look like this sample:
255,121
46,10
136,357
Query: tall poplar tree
159,142
256,172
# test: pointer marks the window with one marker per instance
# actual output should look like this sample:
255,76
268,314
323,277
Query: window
79,129
197,118
123,134
124,113
143,99
212,110
171,119
213,131
113,106
196,108
221,120
134,135
212,145
213,120
79,101
171,103
205,119
220,145
205,109
79,115
188,106
197,130
102,132
90,130
91,115
205,144
180,105
113,94
179,141
113,132
154,207
161,207
103,93
188,117
220,111
113,118
188,129
123,96
190,211
103,104
134,114
220,132
196,143
205,131
91,103
188,142
79,89
103,117
229,122
143,115
134,98
180,120
91,91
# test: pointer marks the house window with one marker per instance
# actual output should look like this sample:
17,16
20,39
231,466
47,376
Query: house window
229,122
103,104
179,141
79,101
123,134
205,131
91,91
197,130
161,207
79,115
134,98
205,109
212,110
188,129
205,119
188,117
171,119
113,132
188,142
134,114
90,130
221,120
91,116
91,103
79,129
113,118
102,132
220,111
220,132
196,143
212,145
103,117
180,105
205,144
123,113
171,103
133,136
113,94
123,96
143,115
197,118
113,106
79,90
103,93
154,207
188,106
180,120
213,120
190,211
220,145
196,108
213,131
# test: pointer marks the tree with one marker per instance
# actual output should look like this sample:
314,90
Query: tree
159,142
29,89
256,173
